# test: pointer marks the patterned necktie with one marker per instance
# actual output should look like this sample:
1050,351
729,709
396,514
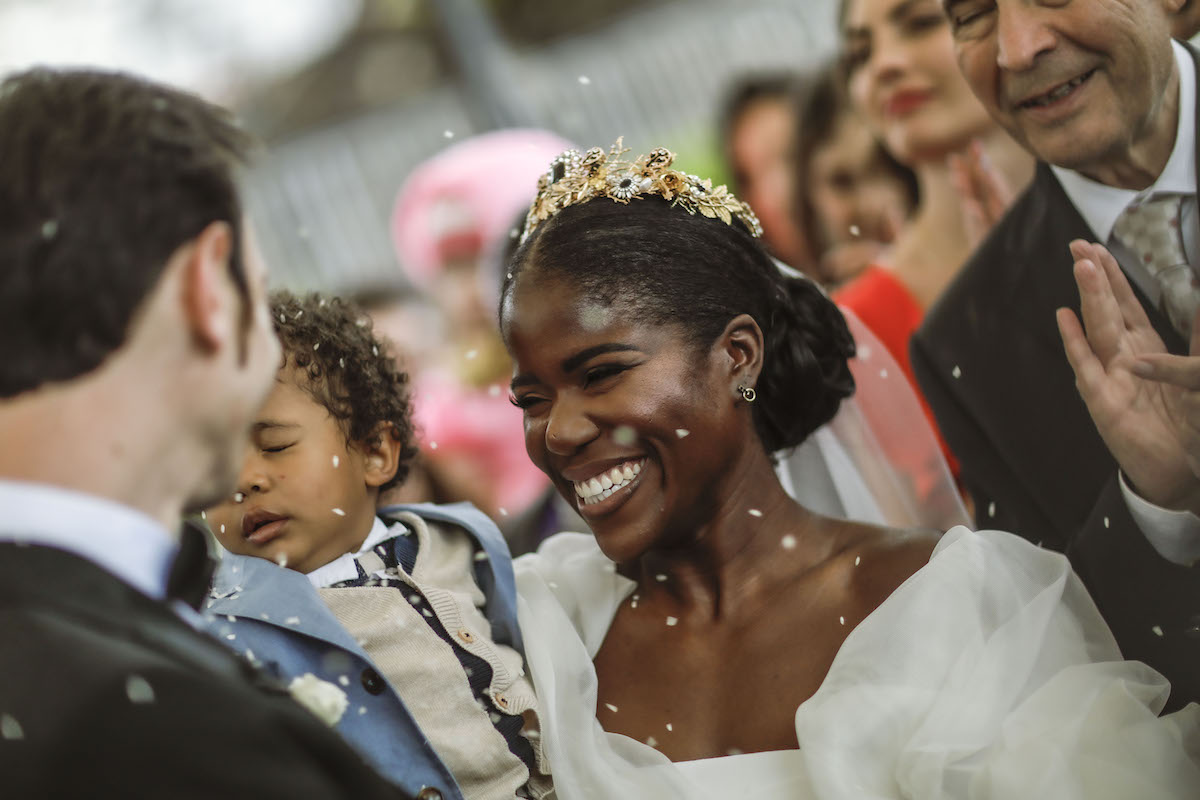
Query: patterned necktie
1151,231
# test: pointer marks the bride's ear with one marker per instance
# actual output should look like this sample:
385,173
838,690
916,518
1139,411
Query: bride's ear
741,348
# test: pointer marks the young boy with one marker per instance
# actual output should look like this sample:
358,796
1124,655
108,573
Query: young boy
410,611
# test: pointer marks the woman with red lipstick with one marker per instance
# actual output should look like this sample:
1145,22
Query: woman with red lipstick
902,78
715,638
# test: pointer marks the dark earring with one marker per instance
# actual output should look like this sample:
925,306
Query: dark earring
747,392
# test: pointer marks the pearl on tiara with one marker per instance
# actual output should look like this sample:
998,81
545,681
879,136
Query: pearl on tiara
575,178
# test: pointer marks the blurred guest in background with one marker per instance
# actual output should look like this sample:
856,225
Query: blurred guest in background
757,128
898,57
851,196
452,222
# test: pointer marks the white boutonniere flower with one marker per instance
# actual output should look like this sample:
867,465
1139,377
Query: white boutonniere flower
324,699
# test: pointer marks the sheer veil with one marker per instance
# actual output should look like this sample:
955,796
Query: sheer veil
846,469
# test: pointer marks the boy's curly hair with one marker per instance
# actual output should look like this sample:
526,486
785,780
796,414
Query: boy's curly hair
350,371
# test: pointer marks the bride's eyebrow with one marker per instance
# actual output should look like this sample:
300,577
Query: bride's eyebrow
572,363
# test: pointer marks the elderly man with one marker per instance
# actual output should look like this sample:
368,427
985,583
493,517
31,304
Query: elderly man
1100,93
135,349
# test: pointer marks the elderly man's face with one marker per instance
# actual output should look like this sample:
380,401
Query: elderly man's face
1080,83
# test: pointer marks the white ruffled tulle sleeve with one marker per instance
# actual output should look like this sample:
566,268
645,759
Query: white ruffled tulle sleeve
990,674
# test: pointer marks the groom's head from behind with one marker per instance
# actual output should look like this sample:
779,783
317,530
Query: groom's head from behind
125,263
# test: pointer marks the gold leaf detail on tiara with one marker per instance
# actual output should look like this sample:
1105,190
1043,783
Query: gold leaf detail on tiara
575,178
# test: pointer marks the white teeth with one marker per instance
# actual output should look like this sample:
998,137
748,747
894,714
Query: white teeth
604,485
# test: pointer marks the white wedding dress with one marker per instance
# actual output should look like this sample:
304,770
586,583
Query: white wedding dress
988,674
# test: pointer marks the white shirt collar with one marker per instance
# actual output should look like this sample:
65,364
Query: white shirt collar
129,544
1100,205
342,568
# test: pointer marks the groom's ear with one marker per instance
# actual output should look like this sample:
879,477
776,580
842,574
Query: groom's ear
740,347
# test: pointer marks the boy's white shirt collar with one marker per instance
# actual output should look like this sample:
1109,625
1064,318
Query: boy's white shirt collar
123,541
342,568
1100,205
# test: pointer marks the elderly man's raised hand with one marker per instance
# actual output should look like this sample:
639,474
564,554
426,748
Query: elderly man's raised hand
1151,424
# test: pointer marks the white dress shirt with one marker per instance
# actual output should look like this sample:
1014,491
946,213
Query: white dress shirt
342,568
132,546
1174,534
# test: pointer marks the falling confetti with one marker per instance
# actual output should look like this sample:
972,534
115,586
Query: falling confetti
265,616
343,680
672,622
231,636
788,542
204,515
1157,630
433,445
339,512
317,346
10,729
342,363
494,390
611,707
624,435
481,556
754,512
883,373
670,727
584,80
991,509
470,354
681,432
1106,522
449,134
651,741
281,559
841,620
956,372
292,621
138,690
374,349
503,511
49,228
336,461
855,231
362,709
238,497
660,577
734,751
222,527
857,560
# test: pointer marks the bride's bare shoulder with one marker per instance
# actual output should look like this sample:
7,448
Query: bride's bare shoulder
878,559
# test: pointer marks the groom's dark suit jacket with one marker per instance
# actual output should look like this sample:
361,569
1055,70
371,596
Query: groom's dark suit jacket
990,362
78,648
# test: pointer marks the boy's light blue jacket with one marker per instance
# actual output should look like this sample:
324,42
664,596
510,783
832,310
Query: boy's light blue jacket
279,617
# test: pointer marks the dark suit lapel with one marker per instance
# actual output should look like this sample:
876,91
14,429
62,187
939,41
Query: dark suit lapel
76,589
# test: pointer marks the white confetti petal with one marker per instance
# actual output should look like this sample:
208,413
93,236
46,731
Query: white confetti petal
336,461
584,80
449,134
788,542
317,346
841,620
362,709
222,527
754,512
292,621
956,372
10,729
1106,522
471,354
651,741
681,432
883,373
49,228
343,680
231,636
670,727
433,445
339,512
855,231
265,616
238,497
624,435
1157,630
503,511
611,707
281,559
203,515
672,622
991,509
138,690
660,577
857,560
231,617
494,390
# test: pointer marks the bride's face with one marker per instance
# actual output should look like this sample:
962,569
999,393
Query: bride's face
630,421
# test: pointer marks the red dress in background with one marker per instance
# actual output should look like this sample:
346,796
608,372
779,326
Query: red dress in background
889,309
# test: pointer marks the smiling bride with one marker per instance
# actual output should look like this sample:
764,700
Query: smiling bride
714,638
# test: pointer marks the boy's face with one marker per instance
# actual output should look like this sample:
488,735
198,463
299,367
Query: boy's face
307,495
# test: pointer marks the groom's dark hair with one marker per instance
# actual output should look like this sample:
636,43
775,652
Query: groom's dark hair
102,177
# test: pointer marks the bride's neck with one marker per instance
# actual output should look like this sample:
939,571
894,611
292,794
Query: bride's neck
726,561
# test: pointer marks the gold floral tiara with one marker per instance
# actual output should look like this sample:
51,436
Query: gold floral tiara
575,178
